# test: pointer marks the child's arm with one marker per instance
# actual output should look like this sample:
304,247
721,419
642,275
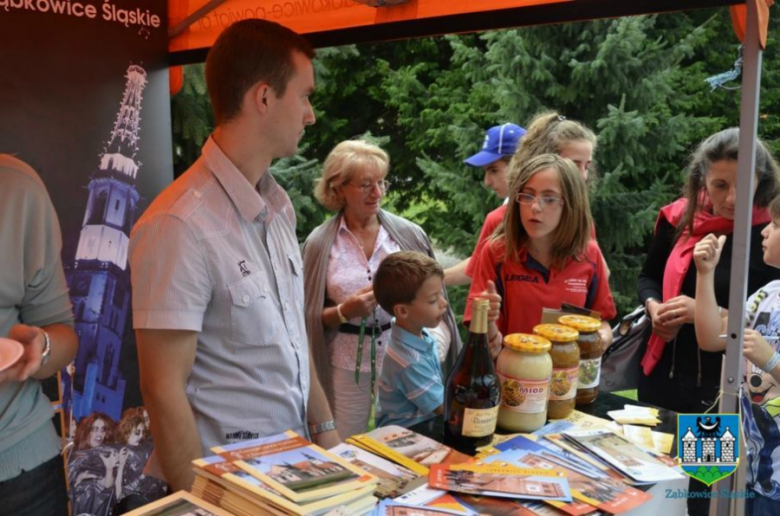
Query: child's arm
709,322
759,352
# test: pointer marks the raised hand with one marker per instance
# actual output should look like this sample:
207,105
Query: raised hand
706,253
495,301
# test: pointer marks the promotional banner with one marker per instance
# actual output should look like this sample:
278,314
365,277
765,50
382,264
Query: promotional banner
84,100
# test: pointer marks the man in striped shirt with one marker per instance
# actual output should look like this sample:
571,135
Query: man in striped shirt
216,268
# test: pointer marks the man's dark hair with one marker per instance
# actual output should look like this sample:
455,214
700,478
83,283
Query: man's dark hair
248,52
400,276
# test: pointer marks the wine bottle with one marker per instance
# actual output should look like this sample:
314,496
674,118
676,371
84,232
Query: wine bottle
472,394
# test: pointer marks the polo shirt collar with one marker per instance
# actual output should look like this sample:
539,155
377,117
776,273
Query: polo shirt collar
410,339
246,199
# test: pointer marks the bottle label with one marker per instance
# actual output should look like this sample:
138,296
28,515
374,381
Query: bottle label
563,385
524,396
479,422
590,373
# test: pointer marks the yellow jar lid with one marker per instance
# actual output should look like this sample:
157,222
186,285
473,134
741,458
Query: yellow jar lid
527,343
580,322
556,332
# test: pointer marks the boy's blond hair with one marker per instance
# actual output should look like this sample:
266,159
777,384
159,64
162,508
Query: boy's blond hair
400,276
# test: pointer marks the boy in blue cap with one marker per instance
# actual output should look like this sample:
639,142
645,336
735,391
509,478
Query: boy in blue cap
499,146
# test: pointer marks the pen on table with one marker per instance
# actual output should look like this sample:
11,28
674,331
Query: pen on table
771,337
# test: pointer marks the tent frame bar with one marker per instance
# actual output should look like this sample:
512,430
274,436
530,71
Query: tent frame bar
733,369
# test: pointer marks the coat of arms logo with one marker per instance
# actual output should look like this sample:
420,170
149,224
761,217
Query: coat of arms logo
708,445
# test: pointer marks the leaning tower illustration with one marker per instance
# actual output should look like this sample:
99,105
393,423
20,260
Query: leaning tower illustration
727,441
689,446
98,277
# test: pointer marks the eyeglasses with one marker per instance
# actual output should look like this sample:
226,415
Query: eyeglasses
545,201
368,187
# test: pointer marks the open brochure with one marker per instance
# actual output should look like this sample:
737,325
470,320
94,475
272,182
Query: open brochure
623,455
501,481
298,469
407,448
394,480
590,493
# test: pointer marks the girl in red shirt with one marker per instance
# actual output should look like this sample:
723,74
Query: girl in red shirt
542,254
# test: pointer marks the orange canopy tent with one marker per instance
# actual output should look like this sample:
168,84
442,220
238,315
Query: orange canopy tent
195,24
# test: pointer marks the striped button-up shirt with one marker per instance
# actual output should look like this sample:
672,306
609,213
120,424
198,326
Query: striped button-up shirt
216,256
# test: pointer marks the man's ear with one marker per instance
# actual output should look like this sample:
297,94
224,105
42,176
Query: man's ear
260,95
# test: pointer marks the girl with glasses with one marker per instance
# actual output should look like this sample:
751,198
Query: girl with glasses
542,255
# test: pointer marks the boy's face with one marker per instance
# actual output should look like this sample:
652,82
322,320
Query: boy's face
771,243
428,307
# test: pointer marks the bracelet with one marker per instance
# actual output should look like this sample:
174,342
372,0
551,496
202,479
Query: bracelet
46,353
343,319
320,428
772,363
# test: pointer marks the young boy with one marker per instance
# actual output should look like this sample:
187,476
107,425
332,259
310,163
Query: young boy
408,285
760,399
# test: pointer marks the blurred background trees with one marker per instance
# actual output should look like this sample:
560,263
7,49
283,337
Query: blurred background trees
638,82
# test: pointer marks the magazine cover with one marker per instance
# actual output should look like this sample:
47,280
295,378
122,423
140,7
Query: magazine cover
496,506
393,480
590,493
623,455
407,448
501,481
296,468
181,503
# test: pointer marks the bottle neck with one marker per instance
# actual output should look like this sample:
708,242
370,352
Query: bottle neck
479,319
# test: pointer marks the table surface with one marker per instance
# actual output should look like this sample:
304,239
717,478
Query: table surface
606,401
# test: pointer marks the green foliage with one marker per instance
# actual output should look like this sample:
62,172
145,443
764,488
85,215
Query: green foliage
638,82
710,475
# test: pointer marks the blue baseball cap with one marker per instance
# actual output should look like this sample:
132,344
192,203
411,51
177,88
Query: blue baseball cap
500,141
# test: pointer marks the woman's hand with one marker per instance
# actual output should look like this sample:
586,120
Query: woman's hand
677,311
756,349
669,317
706,253
360,304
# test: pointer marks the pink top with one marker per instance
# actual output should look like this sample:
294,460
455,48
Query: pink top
348,271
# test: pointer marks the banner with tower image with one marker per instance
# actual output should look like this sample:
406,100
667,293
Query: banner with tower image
708,445
85,101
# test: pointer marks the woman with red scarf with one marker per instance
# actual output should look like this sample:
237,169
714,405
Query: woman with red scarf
676,374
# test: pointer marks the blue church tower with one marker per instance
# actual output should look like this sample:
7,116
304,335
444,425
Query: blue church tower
98,278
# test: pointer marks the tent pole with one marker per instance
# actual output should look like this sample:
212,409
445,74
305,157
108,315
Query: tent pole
733,370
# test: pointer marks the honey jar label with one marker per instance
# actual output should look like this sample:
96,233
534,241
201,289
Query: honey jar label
525,396
479,422
563,384
590,373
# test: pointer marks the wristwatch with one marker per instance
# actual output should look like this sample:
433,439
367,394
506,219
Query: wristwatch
320,428
46,353
343,319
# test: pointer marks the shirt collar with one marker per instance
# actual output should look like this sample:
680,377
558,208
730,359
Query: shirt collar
247,200
410,339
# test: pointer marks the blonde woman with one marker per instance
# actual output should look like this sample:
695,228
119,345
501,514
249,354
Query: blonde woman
340,258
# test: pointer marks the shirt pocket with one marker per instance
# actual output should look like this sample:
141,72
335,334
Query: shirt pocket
296,267
253,318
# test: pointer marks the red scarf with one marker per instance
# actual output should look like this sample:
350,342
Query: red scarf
679,260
